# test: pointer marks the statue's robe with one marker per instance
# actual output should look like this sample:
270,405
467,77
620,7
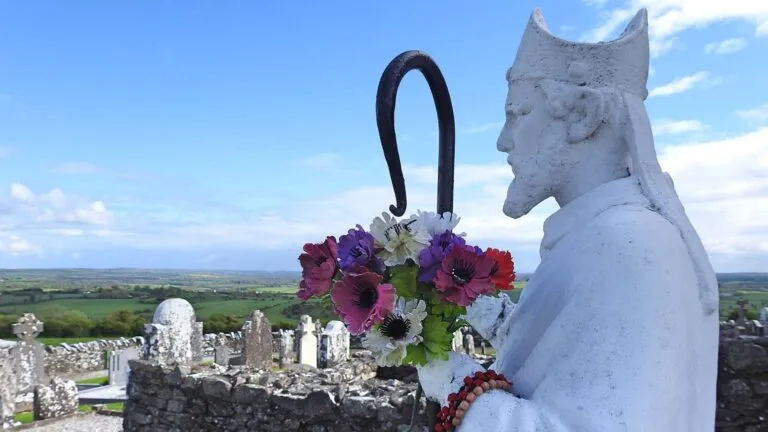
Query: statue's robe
609,333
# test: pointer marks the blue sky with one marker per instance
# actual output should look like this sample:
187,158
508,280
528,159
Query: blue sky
227,134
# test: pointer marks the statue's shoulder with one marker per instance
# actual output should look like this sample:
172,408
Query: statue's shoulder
634,232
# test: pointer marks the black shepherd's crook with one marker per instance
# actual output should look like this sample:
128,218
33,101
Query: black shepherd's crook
385,119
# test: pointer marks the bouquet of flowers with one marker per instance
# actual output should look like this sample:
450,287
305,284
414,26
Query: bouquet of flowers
404,284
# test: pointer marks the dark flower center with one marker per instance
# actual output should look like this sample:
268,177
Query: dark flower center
395,326
396,229
357,252
366,295
463,272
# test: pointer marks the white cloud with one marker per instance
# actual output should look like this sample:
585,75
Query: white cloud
77,168
15,245
668,18
671,127
22,193
728,46
683,84
55,207
724,185
321,162
757,114
481,128
595,3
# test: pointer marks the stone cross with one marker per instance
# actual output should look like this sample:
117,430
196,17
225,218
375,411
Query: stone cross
306,341
31,353
28,327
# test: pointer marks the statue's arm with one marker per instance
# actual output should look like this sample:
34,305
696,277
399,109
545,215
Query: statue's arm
490,317
620,350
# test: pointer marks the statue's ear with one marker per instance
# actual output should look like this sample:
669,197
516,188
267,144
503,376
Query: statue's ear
589,104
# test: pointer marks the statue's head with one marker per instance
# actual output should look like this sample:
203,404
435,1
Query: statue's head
564,109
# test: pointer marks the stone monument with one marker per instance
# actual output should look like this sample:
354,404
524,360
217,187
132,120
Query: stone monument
9,364
119,370
285,347
31,371
334,347
56,399
257,342
306,342
618,327
170,338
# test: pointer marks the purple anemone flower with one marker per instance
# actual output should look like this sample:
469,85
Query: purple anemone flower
431,257
357,248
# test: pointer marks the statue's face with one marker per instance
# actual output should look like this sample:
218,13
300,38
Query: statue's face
535,145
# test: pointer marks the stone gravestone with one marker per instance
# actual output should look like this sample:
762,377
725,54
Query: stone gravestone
197,342
764,315
169,338
482,348
457,344
743,307
118,365
285,347
334,346
9,364
31,370
56,399
221,355
469,344
306,342
257,342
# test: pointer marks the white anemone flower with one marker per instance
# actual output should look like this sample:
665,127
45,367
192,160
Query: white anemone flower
389,341
436,224
400,240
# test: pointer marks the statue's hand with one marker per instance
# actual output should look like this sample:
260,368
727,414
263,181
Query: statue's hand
487,315
439,378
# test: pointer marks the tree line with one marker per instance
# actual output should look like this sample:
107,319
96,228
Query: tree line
121,323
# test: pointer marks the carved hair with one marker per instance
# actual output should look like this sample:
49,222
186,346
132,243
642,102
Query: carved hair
568,102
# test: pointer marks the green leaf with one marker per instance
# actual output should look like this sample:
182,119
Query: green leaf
404,279
415,355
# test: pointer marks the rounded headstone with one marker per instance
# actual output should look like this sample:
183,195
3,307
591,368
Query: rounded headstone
174,311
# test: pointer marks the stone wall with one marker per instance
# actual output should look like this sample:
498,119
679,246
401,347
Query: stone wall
742,384
233,341
347,398
67,360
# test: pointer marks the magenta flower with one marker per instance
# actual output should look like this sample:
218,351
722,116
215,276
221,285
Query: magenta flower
318,266
362,300
464,274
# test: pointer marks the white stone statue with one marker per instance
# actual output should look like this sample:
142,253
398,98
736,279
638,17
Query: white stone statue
617,329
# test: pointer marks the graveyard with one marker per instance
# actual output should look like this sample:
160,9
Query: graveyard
316,376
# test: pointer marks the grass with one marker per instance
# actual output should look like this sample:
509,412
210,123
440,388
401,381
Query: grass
94,308
71,340
27,417
103,380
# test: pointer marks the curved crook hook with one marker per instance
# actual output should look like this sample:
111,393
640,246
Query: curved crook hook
385,119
